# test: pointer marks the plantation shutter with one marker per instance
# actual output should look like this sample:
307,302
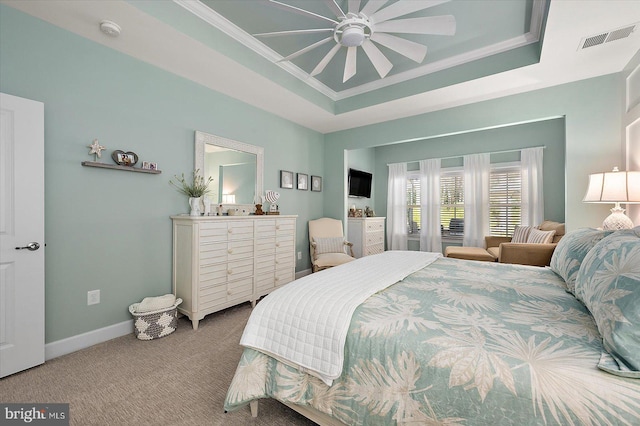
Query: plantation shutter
413,204
505,200
451,197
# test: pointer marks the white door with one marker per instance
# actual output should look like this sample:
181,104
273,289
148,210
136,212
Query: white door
21,234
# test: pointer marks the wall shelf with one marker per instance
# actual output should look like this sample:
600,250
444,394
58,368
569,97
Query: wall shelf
117,167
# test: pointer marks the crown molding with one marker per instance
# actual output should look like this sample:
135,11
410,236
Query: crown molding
213,18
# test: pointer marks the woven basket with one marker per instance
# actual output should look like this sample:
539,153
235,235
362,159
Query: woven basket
155,324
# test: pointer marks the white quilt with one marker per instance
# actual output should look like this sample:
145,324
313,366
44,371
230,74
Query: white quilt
305,323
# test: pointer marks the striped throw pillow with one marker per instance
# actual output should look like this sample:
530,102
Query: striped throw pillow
329,245
521,234
537,236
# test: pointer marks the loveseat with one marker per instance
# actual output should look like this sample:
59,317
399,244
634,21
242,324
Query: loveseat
501,249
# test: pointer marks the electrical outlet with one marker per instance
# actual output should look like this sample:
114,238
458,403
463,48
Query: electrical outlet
299,255
93,297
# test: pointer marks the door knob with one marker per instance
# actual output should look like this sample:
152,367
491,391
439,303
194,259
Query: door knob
31,247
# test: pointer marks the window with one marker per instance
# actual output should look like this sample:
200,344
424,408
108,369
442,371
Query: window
413,203
505,200
452,202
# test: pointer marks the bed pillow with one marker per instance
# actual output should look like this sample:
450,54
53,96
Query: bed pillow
537,236
329,245
520,234
608,283
571,250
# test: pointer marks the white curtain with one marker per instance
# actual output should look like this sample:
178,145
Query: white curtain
532,187
477,169
397,233
430,235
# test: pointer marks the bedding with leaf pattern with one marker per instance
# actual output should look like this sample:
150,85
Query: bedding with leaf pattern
460,342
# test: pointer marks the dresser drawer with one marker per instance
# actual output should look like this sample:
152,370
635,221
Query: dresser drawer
240,230
374,238
285,226
266,246
212,232
241,249
265,228
374,249
211,275
373,226
213,253
239,269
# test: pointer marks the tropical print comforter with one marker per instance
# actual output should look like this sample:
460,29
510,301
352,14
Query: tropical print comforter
460,342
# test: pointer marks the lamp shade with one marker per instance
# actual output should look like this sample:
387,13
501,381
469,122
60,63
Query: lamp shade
613,187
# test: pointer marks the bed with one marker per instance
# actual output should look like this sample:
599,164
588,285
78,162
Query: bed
471,343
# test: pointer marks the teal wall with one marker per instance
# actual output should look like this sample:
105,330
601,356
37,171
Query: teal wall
592,124
363,159
111,230
548,133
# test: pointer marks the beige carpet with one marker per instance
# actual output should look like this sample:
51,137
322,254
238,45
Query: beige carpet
180,379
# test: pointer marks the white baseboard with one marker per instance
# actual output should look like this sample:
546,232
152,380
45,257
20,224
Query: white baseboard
303,273
85,340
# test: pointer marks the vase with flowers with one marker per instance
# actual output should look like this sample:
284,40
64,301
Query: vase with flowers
194,189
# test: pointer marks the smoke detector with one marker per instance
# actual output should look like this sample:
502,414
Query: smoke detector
110,28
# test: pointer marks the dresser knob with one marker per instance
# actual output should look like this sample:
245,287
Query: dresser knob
230,251
229,292
277,244
229,272
231,231
277,226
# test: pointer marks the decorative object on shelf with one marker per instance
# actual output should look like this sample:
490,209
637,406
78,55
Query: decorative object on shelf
368,212
207,205
316,183
303,181
259,211
286,179
194,189
272,198
258,200
147,165
358,213
122,158
96,149
228,199
614,187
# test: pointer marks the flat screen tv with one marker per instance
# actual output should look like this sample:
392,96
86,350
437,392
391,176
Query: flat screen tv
359,183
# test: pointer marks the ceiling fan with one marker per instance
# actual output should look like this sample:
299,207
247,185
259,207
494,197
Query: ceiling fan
367,27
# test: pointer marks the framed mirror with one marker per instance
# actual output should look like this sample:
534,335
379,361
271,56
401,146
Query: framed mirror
236,168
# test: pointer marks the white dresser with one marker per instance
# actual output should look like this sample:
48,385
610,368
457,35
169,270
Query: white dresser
366,234
221,261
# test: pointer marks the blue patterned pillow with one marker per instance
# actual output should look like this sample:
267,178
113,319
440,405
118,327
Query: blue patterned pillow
571,249
608,283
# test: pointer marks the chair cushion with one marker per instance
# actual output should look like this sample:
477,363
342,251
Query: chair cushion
494,251
537,236
332,259
521,233
329,245
549,225
469,253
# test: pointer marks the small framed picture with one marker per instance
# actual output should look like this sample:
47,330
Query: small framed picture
153,166
146,165
303,181
124,158
286,179
316,183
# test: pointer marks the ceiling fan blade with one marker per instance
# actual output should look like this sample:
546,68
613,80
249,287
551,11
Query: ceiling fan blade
323,63
379,61
354,6
440,25
301,11
372,7
294,32
402,8
414,51
306,49
350,64
331,4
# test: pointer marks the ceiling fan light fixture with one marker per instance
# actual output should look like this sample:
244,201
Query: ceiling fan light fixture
352,37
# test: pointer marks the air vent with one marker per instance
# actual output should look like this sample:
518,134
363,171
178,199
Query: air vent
607,37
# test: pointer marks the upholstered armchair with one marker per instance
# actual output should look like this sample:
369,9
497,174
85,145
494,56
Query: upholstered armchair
327,245
506,251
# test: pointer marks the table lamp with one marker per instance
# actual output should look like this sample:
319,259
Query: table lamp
614,187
